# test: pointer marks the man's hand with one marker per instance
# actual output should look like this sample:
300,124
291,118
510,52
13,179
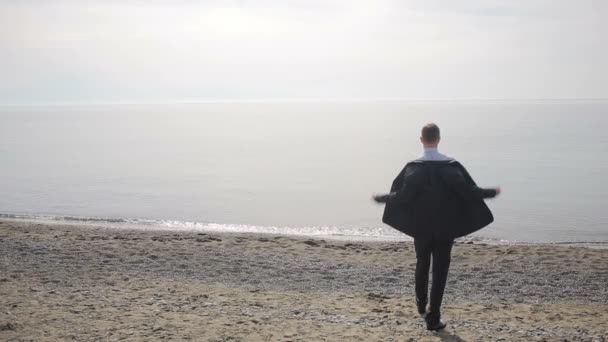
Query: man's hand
497,190
381,198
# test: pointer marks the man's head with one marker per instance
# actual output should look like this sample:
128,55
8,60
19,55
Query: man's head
430,135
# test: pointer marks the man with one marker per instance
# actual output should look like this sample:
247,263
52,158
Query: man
434,200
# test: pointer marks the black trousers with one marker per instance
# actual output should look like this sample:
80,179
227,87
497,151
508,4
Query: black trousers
441,252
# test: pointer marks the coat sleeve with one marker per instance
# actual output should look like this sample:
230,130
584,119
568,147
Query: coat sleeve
462,183
397,184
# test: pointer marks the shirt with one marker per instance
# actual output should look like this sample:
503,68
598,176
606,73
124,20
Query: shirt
431,153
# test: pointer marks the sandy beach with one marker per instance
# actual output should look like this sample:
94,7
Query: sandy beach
60,282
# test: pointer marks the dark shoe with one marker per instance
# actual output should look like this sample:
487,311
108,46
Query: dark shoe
421,307
435,325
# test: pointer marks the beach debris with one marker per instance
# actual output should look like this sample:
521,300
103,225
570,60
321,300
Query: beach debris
7,326
312,243
378,297
208,239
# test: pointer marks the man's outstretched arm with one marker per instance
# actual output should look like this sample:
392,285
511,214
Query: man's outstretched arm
403,195
404,188
382,198
470,191
484,192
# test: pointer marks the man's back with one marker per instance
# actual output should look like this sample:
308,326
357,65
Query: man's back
436,199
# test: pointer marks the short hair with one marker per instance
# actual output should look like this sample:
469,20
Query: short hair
430,132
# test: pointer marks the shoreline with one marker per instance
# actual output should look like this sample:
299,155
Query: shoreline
155,226
60,282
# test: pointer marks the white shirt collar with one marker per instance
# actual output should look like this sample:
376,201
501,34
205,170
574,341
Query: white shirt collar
432,153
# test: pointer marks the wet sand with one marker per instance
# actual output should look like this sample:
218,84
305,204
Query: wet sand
62,282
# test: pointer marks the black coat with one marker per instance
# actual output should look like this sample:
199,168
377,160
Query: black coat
437,199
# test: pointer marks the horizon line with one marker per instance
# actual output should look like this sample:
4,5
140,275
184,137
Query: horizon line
284,100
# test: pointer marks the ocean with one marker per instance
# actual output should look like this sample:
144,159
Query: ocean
304,168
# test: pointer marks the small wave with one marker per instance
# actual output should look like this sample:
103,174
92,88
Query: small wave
62,218
381,234
331,232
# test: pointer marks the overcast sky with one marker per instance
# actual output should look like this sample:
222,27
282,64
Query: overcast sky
156,51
